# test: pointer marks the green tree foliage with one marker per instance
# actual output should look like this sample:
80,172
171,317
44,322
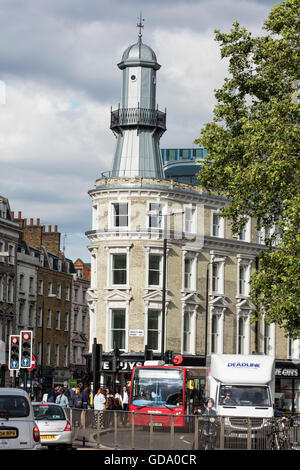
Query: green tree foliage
253,159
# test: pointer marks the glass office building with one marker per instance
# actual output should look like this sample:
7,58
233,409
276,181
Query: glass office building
183,164
170,155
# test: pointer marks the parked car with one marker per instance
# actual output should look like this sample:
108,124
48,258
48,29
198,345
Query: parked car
55,428
18,429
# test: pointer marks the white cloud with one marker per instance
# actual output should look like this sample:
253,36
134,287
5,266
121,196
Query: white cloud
59,60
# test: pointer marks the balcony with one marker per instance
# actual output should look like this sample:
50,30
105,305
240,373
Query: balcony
138,117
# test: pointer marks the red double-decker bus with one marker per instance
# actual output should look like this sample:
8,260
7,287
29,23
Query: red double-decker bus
165,390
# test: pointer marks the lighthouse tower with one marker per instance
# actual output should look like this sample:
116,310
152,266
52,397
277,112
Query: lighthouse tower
138,124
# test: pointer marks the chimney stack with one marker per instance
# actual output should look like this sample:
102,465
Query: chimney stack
31,222
19,215
38,222
55,228
49,228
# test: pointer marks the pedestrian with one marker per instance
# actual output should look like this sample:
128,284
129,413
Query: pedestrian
99,406
67,391
209,427
117,393
125,404
62,399
125,398
51,396
117,404
109,399
72,393
77,398
109,406
85,398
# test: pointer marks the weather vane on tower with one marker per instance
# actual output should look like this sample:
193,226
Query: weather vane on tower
140,25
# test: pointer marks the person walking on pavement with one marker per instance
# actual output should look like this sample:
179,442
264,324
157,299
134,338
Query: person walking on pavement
125,404
209,426
99,406
109,406
77,398
85,398
62,398
51,396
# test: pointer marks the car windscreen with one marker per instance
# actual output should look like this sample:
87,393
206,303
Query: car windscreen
48,412
13,406
241,395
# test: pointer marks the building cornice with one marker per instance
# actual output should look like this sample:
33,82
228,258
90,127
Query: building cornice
145,187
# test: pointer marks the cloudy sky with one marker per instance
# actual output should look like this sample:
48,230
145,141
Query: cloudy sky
59,78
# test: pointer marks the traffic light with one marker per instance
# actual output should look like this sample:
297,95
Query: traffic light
148,354
14,352
168,357
116,360
96,364
26,349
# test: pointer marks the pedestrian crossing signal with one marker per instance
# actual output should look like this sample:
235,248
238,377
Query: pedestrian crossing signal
14,352
26,349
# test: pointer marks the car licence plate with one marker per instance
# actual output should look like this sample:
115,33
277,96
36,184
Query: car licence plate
7,433
156,424
52,436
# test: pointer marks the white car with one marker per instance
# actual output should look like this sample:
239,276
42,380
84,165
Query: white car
55,428
18,429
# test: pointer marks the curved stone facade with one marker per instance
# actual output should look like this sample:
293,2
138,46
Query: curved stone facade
126,245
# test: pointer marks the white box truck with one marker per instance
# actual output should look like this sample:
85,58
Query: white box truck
242,386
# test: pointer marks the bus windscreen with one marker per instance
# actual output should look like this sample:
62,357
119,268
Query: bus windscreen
157,387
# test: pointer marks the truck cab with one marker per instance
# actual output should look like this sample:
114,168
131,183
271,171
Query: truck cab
242,386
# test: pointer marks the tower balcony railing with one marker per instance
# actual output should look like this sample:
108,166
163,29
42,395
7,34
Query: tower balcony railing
138,117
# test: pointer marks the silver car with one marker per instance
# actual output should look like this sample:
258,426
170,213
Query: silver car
18,429
55,428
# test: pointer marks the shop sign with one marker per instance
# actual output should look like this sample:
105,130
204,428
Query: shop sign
286,372
124,366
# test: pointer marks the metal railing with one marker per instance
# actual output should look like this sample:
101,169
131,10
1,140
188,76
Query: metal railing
122,430
138,117
138,173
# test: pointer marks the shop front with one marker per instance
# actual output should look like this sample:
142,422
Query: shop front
117,379
287,386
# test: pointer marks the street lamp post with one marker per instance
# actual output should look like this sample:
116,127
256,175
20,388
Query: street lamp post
206,310
163,307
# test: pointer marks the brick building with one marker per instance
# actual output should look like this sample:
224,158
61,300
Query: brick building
45,279
80,318
9,236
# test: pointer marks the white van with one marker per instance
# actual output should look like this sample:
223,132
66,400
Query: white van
18,429
242,386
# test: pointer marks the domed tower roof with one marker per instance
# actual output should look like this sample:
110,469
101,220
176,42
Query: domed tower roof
139,54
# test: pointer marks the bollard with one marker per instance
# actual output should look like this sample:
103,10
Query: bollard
151,432
172,433
115,429
196,439
98,430
132,430
83,427
249,434
222,432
